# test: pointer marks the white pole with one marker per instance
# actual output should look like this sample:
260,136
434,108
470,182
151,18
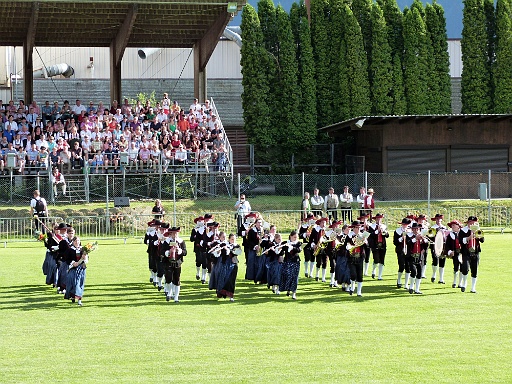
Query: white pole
174,197
238,186
303,185
489,196
428,193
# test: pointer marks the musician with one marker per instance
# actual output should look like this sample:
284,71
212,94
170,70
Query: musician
52,245
210,236
161,231
342,272
274,254
315,243
78,260
305,205
360,200
304,233
365,228
196,236
453,250
267,241
377,242
291,266
152,250
331,203
346,200
356,255
422,220
317,203
401,250
63,261
173,249
470,249
243,231
331,233
441,260
254,237
417,246
228,269
369,203
217,249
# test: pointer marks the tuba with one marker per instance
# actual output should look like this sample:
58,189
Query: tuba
322,244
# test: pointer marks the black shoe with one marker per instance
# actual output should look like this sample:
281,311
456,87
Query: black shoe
458,286
472,291
330,285
159,288
197,277
418,293
150,279
462,289
373,275
154,283
411,291
454,285
316,278
350,292
203,281
73,300
441,282
288,293
399,285
306,274
432,279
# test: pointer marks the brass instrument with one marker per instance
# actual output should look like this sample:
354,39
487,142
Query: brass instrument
339,243
475,228
308,231
359,240
431,232
172,250
322,244
276,248
424,233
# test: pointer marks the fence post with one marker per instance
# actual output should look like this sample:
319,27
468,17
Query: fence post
160,177
86,186
428,194
251,159
11,188
366,180
332,159
107,214
303,185
489,197
197,176
239,186
174,198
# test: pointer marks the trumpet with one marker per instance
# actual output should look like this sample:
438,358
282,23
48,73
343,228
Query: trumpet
425,233
431,232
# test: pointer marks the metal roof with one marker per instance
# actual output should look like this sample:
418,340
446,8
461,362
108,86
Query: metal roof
86,23
377,122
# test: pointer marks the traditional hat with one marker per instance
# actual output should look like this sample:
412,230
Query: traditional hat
165,225
335,224
363,217
472,218
421,217
355,223
62,226
200,218
454,222
321,219
416,225
437,216
208,216
405,220
378,216
213,224
412,217
370,190
151,223
174,229
308,216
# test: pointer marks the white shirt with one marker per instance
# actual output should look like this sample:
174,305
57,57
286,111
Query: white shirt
316,201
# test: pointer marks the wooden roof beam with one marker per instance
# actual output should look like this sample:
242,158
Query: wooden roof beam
206,45
123,35
32,29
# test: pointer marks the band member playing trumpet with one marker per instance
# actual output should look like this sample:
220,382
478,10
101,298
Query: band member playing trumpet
453,250
470,238
173,248
317,243
437,261
399,242
291,266
416,248
377,242
304,234
274,253
332,234
150,238
422,220
364,221
254,237
355,243
217,249
210,236
160,271
342,272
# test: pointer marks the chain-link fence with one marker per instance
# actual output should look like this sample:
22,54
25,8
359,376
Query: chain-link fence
91,187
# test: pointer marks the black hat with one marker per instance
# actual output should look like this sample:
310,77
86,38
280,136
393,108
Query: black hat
174,229
62,226
472,218
437,216
157,223
213,224
355,223
164,225
208,216
416,225
405,220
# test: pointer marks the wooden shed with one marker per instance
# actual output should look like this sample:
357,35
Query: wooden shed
439,143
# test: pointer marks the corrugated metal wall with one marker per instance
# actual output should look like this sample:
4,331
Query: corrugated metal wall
166,63
455,58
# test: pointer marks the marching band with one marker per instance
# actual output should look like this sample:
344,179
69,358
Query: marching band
274,259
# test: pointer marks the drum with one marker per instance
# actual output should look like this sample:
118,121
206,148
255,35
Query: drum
439,243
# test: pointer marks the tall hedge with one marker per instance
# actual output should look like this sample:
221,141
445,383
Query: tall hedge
503,64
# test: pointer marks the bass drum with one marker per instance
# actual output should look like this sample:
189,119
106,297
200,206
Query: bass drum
439,243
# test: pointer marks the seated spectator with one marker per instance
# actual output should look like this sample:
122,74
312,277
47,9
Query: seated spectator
32,156
77,156
155,155
51,143
111,157
5,154
97,161
167,158
144,157
126,107
180,157
58,181
204,156
55,112
55,160
221,159
8,133
91,109
133,156
11,124
21,159
17,142
166,103
42,158
32,117
86,147
65,154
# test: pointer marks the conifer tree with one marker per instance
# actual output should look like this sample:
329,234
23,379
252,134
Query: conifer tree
503,65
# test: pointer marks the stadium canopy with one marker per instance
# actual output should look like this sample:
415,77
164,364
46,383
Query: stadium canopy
117,24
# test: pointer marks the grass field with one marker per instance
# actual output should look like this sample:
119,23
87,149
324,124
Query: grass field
126,332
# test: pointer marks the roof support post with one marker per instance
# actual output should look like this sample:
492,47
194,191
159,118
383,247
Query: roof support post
203,50
117,48
28,48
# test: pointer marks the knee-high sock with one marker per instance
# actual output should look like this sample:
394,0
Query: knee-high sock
464,281
441,274
473,284
306,267
434,271
64,189
332,278
454,278
352,285
323,274
418,282
317,271
359,287
311,265
366,266
381,269
374,267
176,292
460,279
407,275
399,278
203,274
423,270
198,270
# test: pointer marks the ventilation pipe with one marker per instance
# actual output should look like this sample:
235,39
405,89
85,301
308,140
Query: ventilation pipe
144,53
55,70
233,34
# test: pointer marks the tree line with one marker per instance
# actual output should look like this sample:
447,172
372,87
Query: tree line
352,58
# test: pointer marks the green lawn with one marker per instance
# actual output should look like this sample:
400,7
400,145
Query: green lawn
126,331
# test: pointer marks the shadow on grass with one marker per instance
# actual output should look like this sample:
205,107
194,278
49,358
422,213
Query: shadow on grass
136,294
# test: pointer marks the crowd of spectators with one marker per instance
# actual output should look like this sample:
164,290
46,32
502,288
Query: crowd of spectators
162,137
